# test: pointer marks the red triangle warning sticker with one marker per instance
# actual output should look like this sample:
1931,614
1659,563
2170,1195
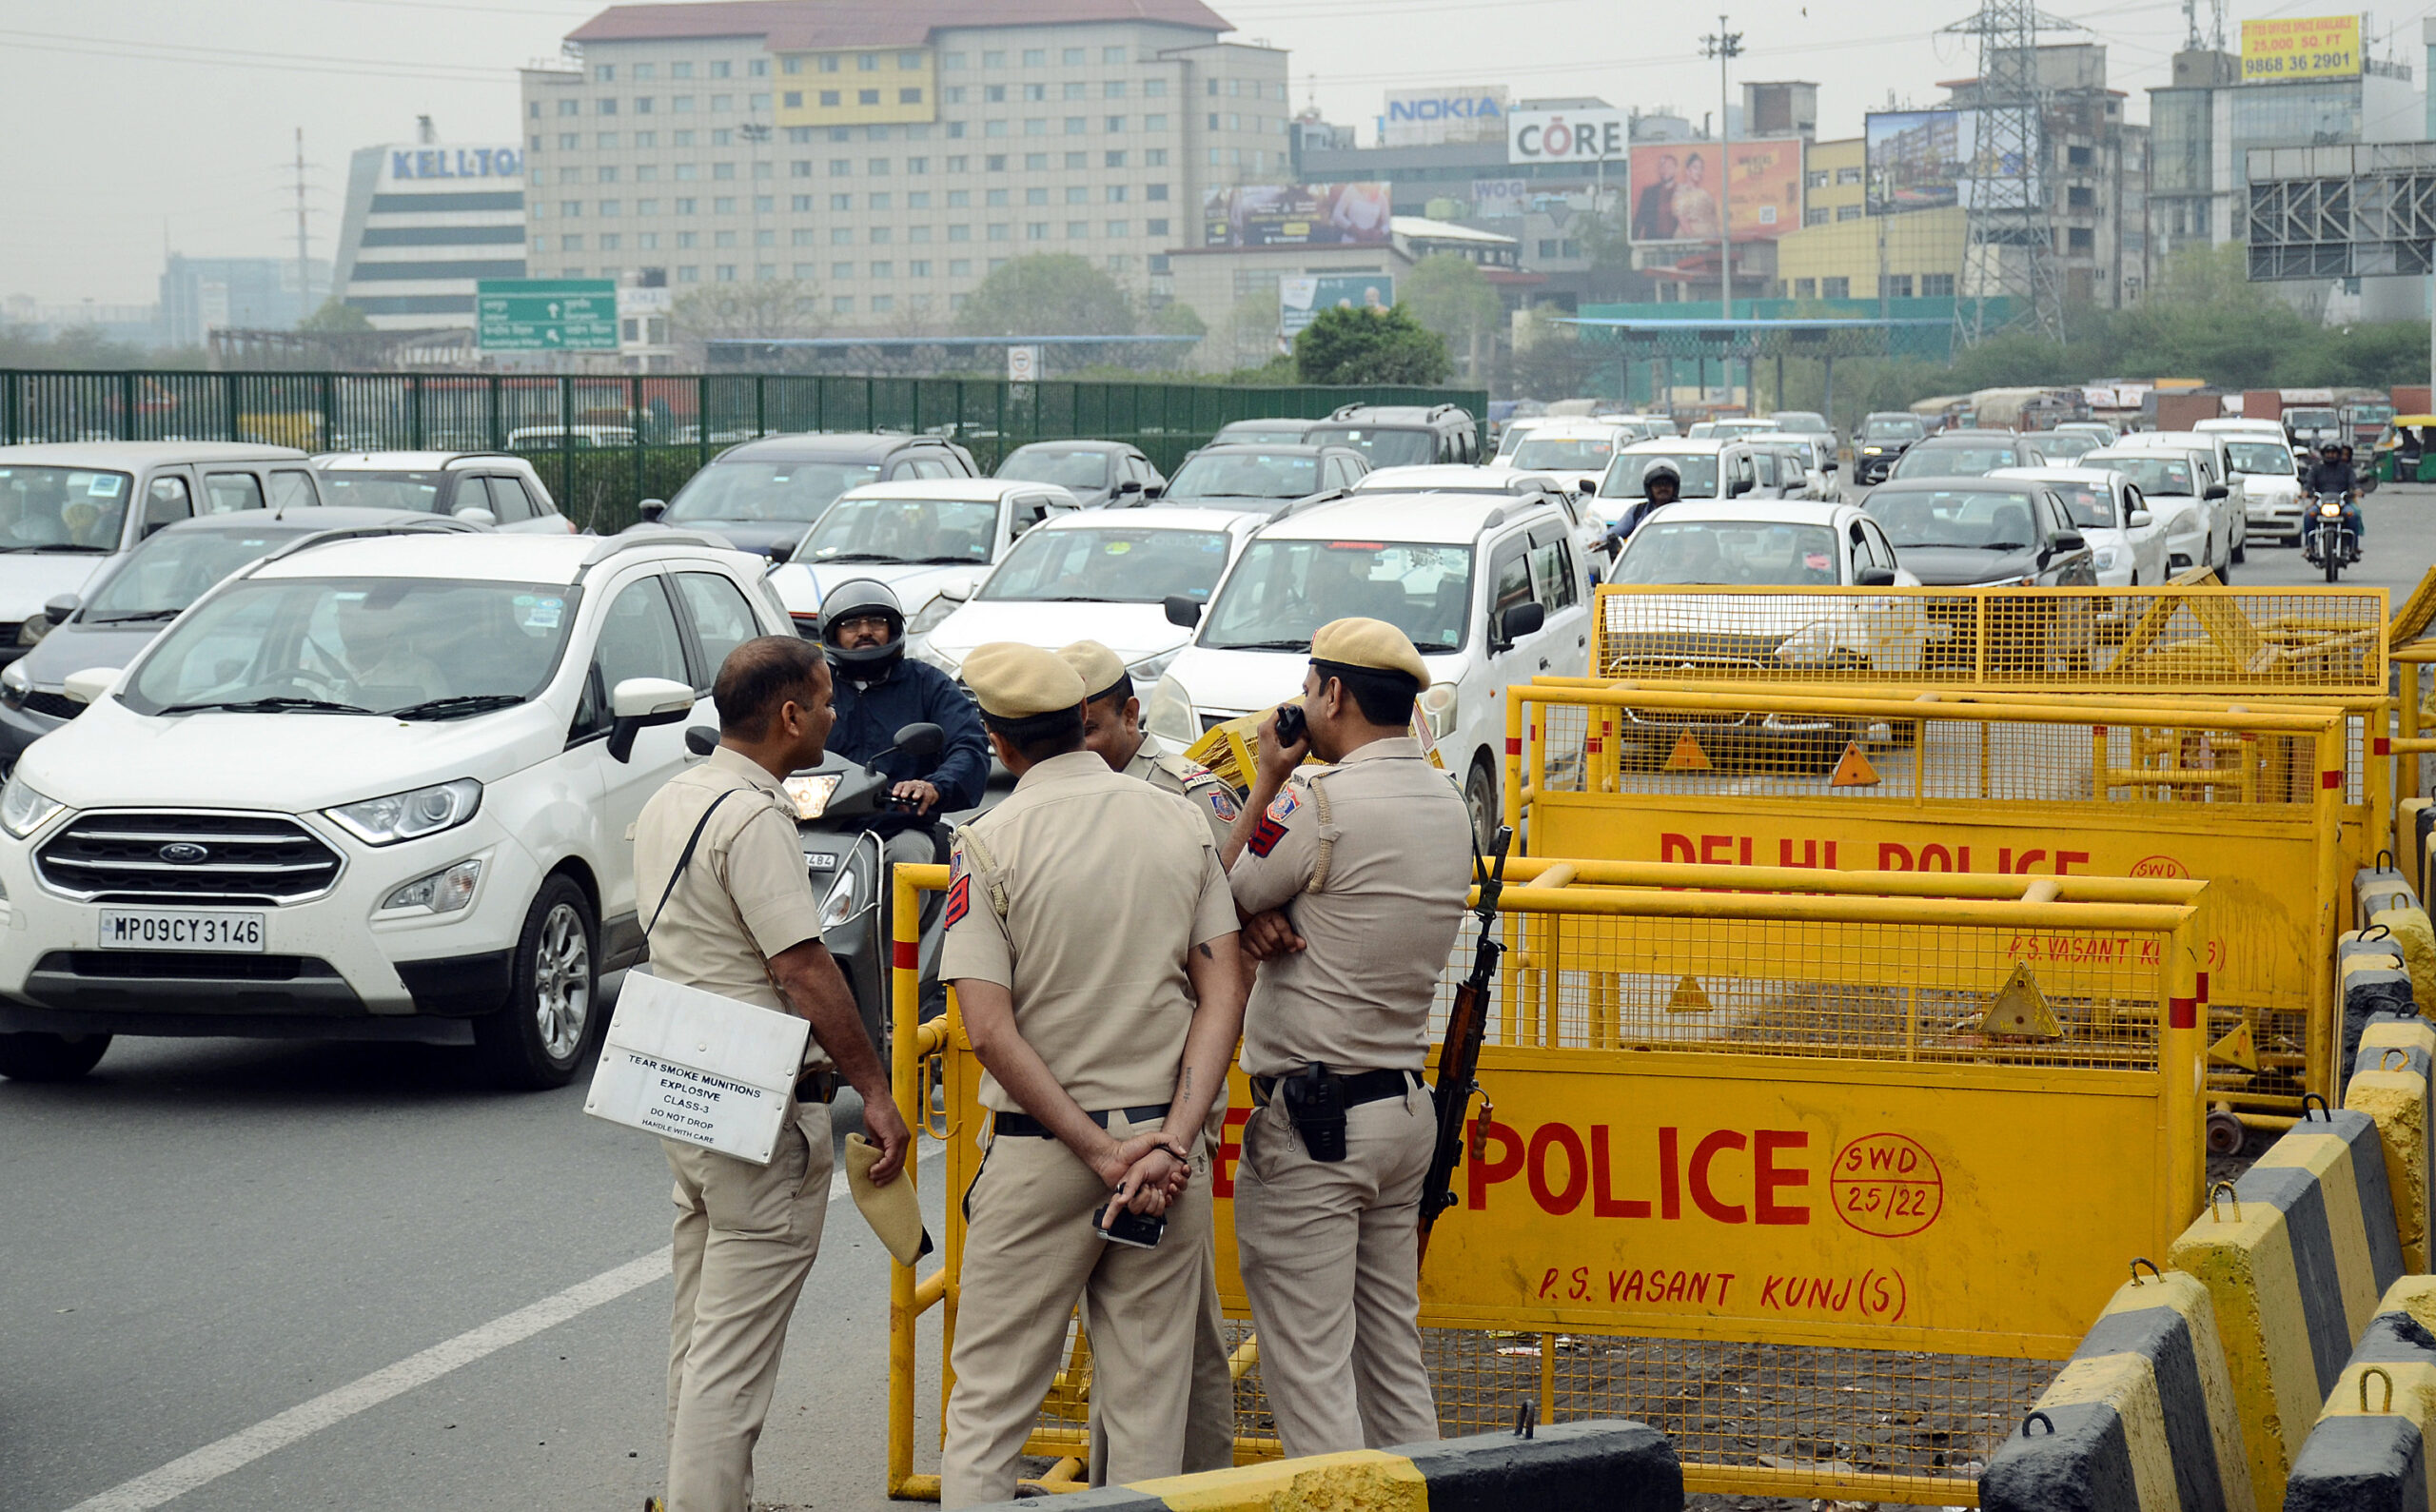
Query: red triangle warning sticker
1854,771
1688,756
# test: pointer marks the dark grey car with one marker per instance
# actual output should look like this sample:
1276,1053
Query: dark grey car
763,494
136,598
1270,478
1099,473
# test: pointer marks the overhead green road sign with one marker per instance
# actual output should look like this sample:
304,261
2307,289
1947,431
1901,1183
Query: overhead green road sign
546,315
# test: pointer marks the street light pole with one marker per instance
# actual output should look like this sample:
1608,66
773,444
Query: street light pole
1723,44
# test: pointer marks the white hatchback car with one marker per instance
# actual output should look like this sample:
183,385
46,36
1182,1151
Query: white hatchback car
1104,575
1489,590
1503,481
367,789
2125,535
2180,493
930,539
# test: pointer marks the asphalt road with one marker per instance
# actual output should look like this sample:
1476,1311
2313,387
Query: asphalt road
212,1245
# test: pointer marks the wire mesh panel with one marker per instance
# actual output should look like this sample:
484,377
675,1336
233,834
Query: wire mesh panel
2149,639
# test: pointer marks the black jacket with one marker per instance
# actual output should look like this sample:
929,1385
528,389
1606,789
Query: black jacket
2333,478
869,715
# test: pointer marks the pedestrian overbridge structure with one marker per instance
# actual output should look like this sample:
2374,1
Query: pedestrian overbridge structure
1979,1066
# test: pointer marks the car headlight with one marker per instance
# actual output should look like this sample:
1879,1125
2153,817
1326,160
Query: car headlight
410,815
930,655
1439,705
839,905
16,679
933,614
21,809
1873,451
443,892
1170,718
2107,556
1150,669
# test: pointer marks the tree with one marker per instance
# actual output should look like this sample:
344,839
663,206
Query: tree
1447,292
772,310
1553,361
336,317
1346,345
1053,294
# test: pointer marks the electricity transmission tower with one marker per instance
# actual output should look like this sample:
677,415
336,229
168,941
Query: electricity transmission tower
2008,248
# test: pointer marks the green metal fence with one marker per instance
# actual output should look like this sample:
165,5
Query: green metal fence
606,442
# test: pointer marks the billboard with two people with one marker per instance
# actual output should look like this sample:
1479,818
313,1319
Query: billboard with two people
1679,194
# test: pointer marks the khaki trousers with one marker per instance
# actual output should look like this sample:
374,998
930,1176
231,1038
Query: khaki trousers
1332,1273
1209,1414
745,1240
1029,1255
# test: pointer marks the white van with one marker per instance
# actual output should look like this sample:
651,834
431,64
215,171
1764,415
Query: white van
1489,590
367,789
66,508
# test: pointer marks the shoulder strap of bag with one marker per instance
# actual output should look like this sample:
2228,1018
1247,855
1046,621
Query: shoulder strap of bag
685,857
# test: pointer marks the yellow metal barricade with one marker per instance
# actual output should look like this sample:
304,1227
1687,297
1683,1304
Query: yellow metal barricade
2249,801
1769,1170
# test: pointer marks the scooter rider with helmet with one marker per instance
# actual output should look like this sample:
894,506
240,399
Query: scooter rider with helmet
1660,485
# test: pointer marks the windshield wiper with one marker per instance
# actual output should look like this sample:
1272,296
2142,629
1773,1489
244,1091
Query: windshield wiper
272,705
852,556
57,545
1304,644
133,617
1087,597
456,706
960,559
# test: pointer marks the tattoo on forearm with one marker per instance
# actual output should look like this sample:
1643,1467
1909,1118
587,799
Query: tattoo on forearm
1187,1081
1204,953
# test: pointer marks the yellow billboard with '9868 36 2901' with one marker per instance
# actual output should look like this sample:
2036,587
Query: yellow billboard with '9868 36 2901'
2300,48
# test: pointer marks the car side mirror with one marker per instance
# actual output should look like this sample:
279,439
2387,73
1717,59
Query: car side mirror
1150,491
2215,491
2142,520
92,684
1737,487
651,509
702,740
476,515
58,609
639,703
1182,612
1874,577
1829,466
1520,619
922,739
1131,485
1590,487
2071,540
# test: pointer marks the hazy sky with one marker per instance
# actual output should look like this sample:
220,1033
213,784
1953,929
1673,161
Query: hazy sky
129,123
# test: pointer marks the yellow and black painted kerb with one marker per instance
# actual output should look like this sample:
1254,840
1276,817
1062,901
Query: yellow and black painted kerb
2294,1256
2370,979
2141,1419
1597,1466
2393,1081
2369,1451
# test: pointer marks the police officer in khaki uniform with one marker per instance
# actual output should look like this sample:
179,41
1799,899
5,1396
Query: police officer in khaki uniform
1351,879
1091,941
731,910
1112,731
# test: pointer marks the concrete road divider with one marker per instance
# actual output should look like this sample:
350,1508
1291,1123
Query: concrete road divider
2370,979
2369,1450
2142,1417
2414,826
2393,1081
2289,1259
1594,1465
2411,931
2376,889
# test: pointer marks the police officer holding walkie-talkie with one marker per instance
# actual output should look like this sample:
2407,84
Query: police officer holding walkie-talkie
1352,881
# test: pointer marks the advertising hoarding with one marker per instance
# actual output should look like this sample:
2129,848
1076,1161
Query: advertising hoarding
1500,196
2301,47
1676,184
1474,113
1585,137
1915,160
1296,215
1301,299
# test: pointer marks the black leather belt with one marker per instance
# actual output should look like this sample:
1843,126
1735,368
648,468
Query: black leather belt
1359,1087
817,1086
1024,1125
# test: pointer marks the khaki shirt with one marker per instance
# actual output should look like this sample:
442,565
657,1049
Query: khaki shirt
1371,859
1108,884
1171,772
745,896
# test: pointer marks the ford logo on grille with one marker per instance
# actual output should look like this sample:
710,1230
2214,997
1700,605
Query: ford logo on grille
184,852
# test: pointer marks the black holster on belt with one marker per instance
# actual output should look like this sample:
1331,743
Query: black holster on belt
1315,1103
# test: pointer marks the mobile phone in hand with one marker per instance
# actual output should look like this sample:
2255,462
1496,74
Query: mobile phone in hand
1291,727
1141,1230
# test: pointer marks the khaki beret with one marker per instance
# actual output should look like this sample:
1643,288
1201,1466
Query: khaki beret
1015,682
1372,644
1100,668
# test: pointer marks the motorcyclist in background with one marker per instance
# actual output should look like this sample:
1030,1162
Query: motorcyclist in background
2333,474
1660,485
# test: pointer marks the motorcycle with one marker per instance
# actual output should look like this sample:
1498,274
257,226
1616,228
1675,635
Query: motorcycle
2331,543
847,862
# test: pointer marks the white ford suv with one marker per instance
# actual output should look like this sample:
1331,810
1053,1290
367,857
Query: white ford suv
367,789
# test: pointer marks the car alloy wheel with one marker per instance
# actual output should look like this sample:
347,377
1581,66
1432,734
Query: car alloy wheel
562,982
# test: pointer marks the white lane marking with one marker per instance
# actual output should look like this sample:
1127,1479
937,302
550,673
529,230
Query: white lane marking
245,1446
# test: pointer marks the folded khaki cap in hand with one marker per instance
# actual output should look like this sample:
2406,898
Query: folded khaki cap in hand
893,1211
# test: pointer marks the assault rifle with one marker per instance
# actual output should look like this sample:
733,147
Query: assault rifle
1459,1058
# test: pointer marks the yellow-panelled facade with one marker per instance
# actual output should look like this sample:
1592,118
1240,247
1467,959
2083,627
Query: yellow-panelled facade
857,86
1842,259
